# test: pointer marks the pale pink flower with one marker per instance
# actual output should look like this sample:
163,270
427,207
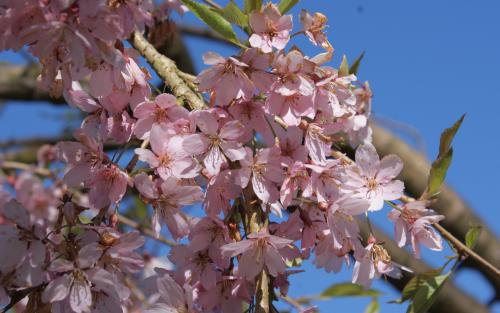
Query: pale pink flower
372,178
168,206
20,241
270,29
313,26
226,296
265,172
163,110
226,79
107,186
292,74
259,250
220,190
168,295
209,234
167,156
290,108
168,198
83,158
296,178
79,279
325,180
215,141
290,141
413,223
374,262
258,62
318,145
252,115
119,255
193,266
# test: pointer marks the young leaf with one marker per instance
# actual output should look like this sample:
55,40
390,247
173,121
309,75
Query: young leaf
426,294
252,5
348,289
344,67
212,19
233,14
355,66
373,306
438,171
447,136
472,236
286,5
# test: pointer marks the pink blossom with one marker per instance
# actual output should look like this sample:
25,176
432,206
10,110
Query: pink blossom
75,281
374,262
226,79
252,115
290,108
84,158
172,197
227,295
296,178
325,180
119,255
168,158
270,29
167,198
318,145
215,141
259,250
313,26
221,189
22,241
372,178
193,266
168,295
413,223
209,234
163,110
265,172
107,186
290,141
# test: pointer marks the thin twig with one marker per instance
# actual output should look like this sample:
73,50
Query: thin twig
460,246
145,230
26,167
131,164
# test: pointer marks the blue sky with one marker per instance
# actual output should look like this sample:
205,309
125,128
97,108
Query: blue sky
428,62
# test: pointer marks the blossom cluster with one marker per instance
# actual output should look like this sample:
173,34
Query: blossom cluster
261,159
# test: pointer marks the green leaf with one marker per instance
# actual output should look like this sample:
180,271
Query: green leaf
286,5
472,236
252,5
346,290
412,285
437,173
344,67
426,293
213,19
373,306
233,14
447,136
355,66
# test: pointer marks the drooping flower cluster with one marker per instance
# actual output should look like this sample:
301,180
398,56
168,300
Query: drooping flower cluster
258,159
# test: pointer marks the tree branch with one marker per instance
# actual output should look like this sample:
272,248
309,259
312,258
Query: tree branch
167,70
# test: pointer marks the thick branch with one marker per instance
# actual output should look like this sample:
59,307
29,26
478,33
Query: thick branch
167,70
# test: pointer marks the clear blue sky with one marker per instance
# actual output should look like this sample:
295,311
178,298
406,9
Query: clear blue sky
428,62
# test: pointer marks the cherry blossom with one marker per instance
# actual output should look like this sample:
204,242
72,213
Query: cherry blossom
270,29
372,178
413,223
258,251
